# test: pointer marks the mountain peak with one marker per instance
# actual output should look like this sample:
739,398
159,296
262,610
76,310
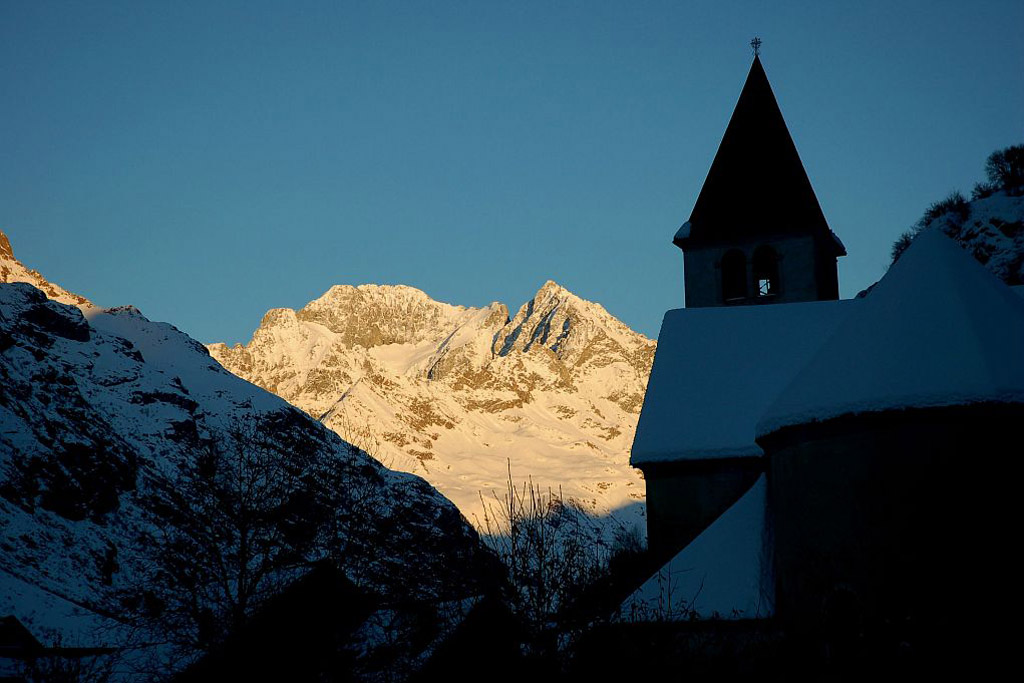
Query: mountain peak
378,315
566,325
375,290
551,284
456,393
5,247
551,288
386,296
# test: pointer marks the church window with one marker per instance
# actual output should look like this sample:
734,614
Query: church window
766,271
734,275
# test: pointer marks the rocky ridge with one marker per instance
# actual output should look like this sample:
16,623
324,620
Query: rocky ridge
12,270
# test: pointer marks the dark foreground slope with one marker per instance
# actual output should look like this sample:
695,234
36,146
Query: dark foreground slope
150,498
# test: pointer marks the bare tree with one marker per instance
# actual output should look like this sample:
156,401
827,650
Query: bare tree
248,511
57,669
551,548
243,518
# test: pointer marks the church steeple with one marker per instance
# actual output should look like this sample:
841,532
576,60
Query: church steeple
757,194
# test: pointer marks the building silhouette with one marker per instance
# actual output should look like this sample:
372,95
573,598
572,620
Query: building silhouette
829,464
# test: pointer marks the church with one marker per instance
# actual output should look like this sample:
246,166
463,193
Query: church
818,462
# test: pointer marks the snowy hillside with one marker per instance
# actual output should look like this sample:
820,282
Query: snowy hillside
118,434
992,229
991,225
454,393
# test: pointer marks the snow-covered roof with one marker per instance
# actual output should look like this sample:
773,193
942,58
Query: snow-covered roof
52,619
937,330
717,369
723,573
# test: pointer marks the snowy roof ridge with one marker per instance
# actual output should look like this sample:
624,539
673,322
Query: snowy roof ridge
717,369
937,330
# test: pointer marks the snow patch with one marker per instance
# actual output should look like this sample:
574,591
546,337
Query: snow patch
723,574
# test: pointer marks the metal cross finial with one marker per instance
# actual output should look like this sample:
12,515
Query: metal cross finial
756,44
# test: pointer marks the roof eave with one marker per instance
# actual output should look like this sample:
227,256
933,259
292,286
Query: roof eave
837,244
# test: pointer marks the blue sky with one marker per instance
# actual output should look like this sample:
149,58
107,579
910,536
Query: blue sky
206,161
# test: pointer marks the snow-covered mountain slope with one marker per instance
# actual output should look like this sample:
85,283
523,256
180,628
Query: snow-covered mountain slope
454,394
115,438
12,270
990,227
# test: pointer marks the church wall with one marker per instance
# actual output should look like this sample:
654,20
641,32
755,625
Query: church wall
684,498
799,274
895,520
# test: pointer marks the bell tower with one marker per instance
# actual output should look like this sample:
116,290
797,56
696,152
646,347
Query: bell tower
757,234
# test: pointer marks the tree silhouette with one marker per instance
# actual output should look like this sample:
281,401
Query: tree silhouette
242,519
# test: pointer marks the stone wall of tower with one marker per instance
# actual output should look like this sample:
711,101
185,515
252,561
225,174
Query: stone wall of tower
802,275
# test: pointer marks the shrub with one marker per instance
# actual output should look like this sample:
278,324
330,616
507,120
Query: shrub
954,205
1005,171
552,551
901,244
982,190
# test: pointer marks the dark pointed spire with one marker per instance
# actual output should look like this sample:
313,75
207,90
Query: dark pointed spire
757,185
